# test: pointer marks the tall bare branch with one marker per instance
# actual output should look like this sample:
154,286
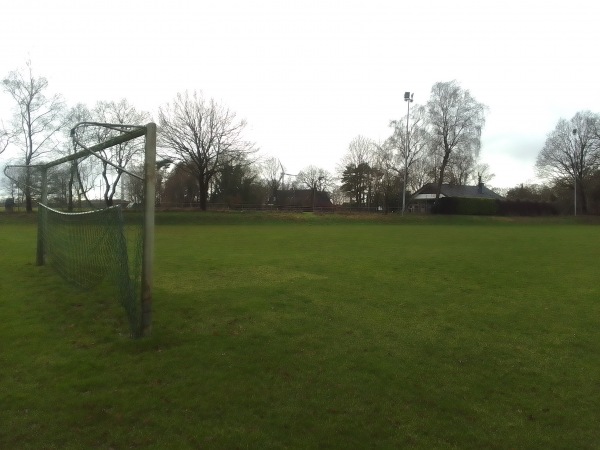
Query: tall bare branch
37,119
201,136
456,120
571,153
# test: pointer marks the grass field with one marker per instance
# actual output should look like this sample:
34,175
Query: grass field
303,331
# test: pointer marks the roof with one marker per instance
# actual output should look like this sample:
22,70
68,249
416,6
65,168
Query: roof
480,191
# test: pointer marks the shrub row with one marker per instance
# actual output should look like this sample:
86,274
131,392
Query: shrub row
492,207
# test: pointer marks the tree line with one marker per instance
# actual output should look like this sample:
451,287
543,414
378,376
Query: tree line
205,158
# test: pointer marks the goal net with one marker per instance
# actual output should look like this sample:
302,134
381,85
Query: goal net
97,249
109,248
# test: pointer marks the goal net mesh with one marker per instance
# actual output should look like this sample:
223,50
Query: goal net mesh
98,249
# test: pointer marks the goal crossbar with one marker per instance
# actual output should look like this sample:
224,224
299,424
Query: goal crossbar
122,138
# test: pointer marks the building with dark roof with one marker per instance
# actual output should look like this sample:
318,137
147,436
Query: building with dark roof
424,198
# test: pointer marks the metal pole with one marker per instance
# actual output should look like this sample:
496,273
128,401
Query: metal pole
575,172
40,259
408,99
148,239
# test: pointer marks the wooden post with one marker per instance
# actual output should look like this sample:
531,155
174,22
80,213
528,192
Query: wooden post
148,239
41,212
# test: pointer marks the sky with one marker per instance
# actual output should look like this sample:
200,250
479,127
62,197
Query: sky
310,76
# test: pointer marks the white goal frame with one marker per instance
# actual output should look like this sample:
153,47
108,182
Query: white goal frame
149,178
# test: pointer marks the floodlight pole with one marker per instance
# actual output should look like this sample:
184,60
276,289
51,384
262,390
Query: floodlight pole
575,172
148,239
408,98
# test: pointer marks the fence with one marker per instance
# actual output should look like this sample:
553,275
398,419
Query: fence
194,206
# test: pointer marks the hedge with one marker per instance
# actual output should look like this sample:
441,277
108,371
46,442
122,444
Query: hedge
492,207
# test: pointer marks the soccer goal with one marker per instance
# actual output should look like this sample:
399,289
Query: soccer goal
110,247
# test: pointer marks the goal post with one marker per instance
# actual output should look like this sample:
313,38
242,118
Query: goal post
148,235
126,133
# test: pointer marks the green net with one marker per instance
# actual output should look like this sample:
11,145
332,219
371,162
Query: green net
97,249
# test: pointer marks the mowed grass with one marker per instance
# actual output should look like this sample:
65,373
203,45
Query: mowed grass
313,332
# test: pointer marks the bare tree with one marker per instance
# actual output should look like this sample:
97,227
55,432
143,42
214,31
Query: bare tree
461,167
455,119
484,173
571,153
78,113
58,184
337,195
421,173
314,178
272,174
37,119
135,185
385,174
4,138
355,169
84,171
409,139
202,136
360,151
122,155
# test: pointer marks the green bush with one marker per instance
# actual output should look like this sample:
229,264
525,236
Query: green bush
526,208
492,207
466,206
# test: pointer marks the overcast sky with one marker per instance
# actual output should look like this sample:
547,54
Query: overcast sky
309,76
